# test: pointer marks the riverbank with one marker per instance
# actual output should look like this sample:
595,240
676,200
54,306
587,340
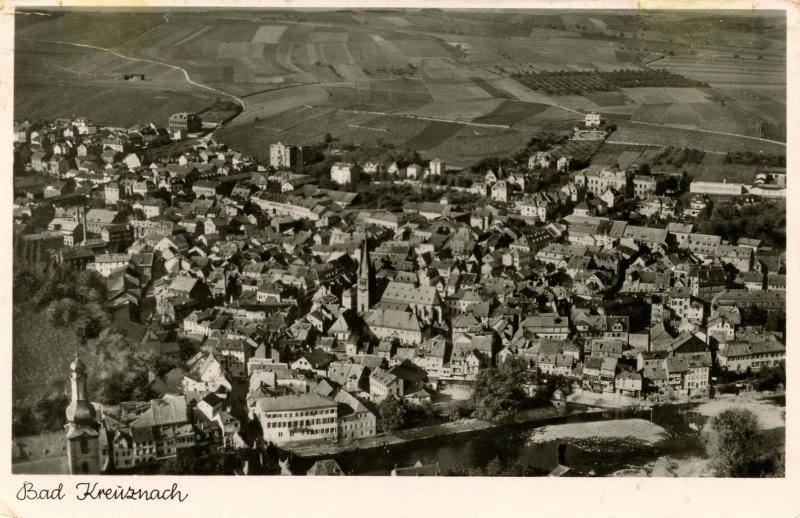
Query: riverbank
534,415
769,415
670,467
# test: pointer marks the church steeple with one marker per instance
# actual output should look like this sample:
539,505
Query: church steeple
79,412
366,281
83,451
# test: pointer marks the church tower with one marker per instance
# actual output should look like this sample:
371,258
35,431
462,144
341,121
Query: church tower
83,437
366,281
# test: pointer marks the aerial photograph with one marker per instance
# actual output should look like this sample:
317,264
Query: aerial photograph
399,242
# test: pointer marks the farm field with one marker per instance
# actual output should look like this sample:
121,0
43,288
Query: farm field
277,101
708,166
458,109
628,132
433,135
473,143
661,95
454,66
712,169
111,106
511,112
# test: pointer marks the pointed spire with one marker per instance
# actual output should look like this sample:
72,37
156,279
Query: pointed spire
363,266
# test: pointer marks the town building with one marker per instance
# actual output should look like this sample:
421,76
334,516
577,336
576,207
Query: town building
185,122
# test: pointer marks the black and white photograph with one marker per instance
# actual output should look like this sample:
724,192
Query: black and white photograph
419,242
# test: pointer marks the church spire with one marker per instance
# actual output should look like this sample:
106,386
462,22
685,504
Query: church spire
83,430
79,412
366,281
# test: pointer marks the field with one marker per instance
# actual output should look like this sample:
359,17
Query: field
434,134
111,106
578,82
628,132
510,112
707,166
270,103
355,74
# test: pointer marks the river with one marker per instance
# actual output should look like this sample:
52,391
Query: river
595,455
602,456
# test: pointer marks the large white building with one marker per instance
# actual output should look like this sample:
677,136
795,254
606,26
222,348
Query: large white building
342,173
437,167
717,188
302,417
592,119
284,156
597,182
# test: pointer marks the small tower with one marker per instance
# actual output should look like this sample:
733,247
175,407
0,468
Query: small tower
366,281
83,448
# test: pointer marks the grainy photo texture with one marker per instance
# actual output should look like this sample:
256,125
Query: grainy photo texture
407,242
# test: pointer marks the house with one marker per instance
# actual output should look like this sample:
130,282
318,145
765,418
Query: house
437,167
343,173
317,361
383,383
414,171
353,420
284,156
499,191
599,374
185,122
540,160
628,383
742,356
106,264
547,326
645,186
684,305
372,168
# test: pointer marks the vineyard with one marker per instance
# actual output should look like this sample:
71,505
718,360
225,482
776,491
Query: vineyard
677,157
576,83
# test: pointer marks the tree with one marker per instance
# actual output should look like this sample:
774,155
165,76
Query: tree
62,312
393,413
770,378
733,442
499,391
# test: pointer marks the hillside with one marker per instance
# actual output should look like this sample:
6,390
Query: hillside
463,84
